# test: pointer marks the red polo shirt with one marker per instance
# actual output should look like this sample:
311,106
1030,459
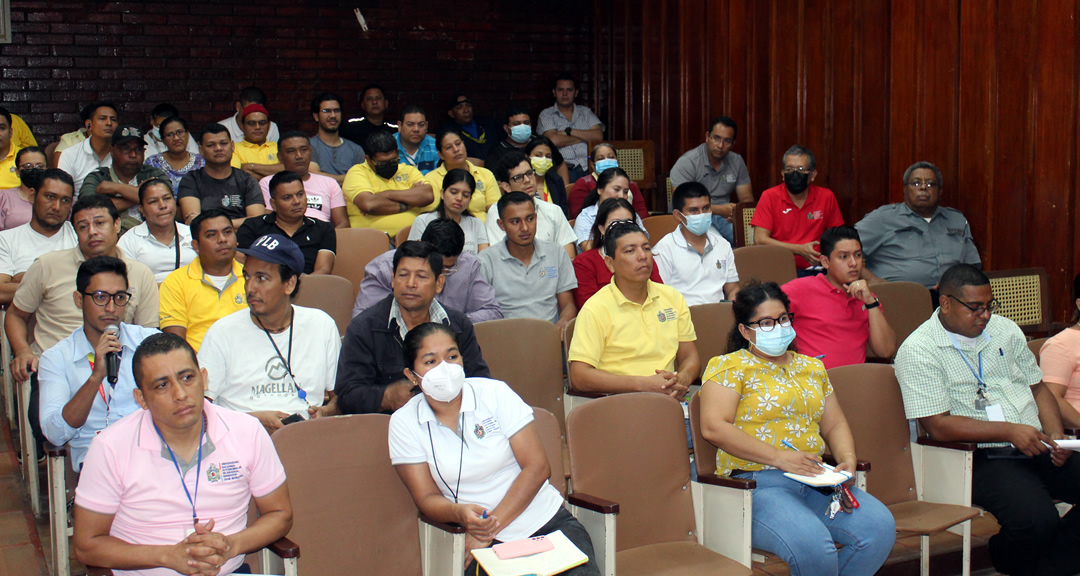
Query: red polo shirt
776,213
828,321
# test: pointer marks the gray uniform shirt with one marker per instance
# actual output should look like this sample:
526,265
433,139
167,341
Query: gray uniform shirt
529,291
901,245
694,166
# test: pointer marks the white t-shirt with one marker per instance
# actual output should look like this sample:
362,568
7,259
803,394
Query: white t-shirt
551,224
21,245
700,278
141,245
475,231
323,194
237,133
493,413
80,160
247,375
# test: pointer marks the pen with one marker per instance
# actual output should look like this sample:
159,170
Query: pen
484,515
820,357
785,442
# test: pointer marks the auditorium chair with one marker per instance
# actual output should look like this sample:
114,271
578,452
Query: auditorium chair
906,306
633,492
1024,294
56,471
713,323
331,294
1036,347
659,226
5,365
356,247
574,398
638,159
740,220
402,235
550,430
765,263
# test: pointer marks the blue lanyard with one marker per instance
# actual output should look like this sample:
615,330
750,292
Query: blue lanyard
978,375
198,468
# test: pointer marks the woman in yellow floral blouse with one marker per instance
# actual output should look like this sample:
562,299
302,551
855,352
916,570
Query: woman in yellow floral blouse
771,411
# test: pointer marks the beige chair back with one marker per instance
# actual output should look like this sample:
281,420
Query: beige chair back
765,263
551,436
906,305
1036,347
659,226
704,451
355,248
568,336
350,508
402,235
631,449
713,323
638,159
744,232
331,294
1024,294
526,354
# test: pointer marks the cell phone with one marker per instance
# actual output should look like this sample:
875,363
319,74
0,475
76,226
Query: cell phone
292,419
526,547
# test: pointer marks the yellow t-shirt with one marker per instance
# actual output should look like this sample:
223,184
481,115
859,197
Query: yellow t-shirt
618,336
487,189
245,152
362,178
9,173
192,302
776,402
21,136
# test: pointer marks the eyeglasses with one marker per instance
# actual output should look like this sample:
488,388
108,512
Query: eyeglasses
28,166
333,111
174,134
521,177
721,140
767,324
919,184
800,170
102,298
393,162
979,308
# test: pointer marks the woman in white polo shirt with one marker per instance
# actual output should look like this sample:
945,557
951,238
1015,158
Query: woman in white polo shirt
468,452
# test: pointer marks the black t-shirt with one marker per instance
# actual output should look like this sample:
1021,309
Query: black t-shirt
359,130
233,194
313,236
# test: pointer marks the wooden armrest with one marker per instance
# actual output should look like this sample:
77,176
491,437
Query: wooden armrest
284,548
860,464
727,481
583,394
55,451
1069,431
590,502
965,446
444,526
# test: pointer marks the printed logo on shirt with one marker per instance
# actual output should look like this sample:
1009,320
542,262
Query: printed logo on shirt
479,431
549,272
666,315
213,474
786,210
231,200
275,369
719,265
314,202
955,231
232,471
12,169
815,215
729,178
400,178
479,186
239,299
489,425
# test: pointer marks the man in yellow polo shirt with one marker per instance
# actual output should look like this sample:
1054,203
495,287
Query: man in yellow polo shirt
633,335
195,296
382,193
9,174
256,154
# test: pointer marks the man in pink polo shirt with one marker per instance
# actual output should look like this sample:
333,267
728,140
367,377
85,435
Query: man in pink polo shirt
796,213
835,313
166,489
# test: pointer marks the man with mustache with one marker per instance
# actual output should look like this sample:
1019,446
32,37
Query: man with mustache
334,155
46,231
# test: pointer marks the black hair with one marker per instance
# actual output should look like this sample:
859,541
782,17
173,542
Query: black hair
959,275
618,230
283,177
293,134
415,338
154,182
512,198
750,296
565,76
724,121
155,345
285,272
170,120
58,175
373,86
453,177
214,128
602,212
443,134
446,236
164,110
413,109
91,201
419,249
86,112
515,110
316,102
833,236
556,156
28,150
602,180
509,161
99,265
798,150
93,107
686,191
380,143
4,112
197,222
252,95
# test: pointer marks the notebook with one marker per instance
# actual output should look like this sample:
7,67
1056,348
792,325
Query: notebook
1069,444
560,559
828,477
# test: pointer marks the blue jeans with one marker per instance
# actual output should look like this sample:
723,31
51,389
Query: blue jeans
790,521
725,228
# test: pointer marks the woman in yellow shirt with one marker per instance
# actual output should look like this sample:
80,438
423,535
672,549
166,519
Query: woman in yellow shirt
451,149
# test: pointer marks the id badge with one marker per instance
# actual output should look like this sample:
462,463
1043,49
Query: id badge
994,413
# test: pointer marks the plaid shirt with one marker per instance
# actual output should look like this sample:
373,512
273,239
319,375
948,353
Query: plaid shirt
934,378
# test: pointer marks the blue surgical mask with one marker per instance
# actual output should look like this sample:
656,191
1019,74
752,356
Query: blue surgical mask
606,163
776,341
521,133
156,131
698,224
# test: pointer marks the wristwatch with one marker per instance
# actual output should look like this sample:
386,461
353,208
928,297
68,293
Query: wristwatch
873,304
568,129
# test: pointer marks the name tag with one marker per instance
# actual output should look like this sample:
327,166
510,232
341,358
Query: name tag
994,413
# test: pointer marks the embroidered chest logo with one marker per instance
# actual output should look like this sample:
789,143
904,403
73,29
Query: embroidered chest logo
719,265
549,272
815,215
213,474
479,431
239,299
665,315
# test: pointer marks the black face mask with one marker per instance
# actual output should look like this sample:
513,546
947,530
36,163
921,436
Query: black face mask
797,182
30,176
386,171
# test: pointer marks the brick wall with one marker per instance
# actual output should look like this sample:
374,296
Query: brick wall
197,54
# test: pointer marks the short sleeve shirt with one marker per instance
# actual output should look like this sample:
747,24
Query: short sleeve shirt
190,301
828,322
233,194
323,195
694,166
20,246
487,189
581,119
237,133
141,245
475,231
80,160
312,237
529,291
699,277
901,245
336,160
551,224
788,223
245,152
1059,361
776,402
14,211
362,178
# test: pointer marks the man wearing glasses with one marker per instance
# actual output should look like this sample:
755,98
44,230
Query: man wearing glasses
967,376
382,193
720,170
334,155
916,240
795,214
78,398
256,154
515,174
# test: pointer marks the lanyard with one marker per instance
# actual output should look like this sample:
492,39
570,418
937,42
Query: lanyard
461,458
176,243
198,467
101,390
288,363
978,375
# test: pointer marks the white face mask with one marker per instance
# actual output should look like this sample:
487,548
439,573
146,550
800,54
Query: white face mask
443,382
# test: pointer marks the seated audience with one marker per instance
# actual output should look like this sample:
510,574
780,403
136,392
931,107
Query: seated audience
1059,360
633,335
603,157
612,183
512,502
9,173
210,287
795,214
481,133
771,411
155,139
121,180
248,355
248,96
382,193
544,157
218,184
465,289
72,138
125,518
589,267
256,154
916,240
695,259
835,313
16,204
415,146
324,199
451,149
456,192
518,128
93,152
516,174
373,103
370,373
721,171
181,153
960,391
77,399
532,278
316,238
569,126
334,155
160,242
47,230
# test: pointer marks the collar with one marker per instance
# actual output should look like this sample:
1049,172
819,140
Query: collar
148,439
81,345
195,269
942,338
681,241
905,209
143,231
246,144
505,255
823,279
80,257
425,414
305,221
436,311
12,151
621,299
811,192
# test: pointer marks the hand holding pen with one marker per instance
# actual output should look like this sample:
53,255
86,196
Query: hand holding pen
797,462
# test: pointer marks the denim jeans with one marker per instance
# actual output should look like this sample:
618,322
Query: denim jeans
790,521
725,228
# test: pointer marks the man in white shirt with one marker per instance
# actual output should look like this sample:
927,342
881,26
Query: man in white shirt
275,360
46,231
695,259
160,242
515,174
96,151
248,96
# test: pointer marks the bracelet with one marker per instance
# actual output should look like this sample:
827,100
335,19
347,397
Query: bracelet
871,305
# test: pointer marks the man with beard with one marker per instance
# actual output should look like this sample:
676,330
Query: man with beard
324,198
334,155
93,152
316,239
47,230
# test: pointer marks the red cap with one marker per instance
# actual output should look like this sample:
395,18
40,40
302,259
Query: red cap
254,108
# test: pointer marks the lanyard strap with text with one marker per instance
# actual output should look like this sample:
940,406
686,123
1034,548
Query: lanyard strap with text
198,468
101,387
